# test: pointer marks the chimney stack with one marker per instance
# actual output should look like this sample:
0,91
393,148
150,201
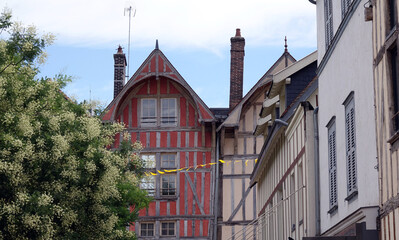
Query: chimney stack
119,71
236,69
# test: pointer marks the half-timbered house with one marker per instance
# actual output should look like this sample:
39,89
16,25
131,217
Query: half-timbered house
285,172
386,90
177,131
236,201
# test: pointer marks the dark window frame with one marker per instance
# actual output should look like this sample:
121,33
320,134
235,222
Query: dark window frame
145,231
169,230
168,187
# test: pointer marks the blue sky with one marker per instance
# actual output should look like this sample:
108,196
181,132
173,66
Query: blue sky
194,36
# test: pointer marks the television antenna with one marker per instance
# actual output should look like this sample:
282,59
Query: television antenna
129,7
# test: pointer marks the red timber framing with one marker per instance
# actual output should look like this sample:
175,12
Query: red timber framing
177,130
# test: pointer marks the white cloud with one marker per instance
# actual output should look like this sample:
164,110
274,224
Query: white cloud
202,24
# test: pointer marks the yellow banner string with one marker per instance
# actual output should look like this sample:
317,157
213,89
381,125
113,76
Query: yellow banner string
166,171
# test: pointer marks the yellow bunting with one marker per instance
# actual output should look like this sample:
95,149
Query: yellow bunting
197,166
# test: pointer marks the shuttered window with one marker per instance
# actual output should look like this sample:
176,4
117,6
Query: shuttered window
332,165
329,21
350,137
345,6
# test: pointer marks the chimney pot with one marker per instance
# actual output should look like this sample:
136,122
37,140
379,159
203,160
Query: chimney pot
238,32
120,49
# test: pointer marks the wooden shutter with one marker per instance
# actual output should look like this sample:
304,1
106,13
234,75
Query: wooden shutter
332,165
329,21
351,146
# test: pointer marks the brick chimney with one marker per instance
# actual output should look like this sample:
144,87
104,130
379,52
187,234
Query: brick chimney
119,71
236,68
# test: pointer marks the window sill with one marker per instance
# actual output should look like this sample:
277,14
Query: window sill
333,209
351,196
169,198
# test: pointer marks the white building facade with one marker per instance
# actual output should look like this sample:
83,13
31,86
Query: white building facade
347,150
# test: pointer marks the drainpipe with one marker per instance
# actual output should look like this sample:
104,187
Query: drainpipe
316,169
215,226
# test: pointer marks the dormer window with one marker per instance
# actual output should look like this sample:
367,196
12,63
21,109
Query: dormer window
151,108
148,112
168,111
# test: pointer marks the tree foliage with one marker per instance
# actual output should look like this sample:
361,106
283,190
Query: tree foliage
57,178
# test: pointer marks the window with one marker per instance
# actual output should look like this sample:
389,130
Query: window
167,229
328,21
292,202
332,166
345,6
168,161
393,55
148,112
147,229
350,137
148,160
168,113
148,183
300,194
168,185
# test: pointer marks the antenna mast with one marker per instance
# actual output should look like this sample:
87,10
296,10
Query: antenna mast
129,8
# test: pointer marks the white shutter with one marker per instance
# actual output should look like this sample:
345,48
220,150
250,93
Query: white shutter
328,21
332,165
345,6
350,128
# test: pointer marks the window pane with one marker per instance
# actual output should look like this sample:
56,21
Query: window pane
148,111
168,160
148,183
168,185
149,160
168,113
168,229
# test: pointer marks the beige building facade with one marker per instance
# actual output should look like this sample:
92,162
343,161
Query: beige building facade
385,45
285,173
239,149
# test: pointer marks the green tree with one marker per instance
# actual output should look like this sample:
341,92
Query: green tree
58,180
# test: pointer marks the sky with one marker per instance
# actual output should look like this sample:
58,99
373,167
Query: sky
193,35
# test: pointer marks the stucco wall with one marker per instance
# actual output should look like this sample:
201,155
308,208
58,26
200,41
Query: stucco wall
350,68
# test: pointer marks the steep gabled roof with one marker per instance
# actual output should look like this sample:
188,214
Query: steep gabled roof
157,65
234,117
